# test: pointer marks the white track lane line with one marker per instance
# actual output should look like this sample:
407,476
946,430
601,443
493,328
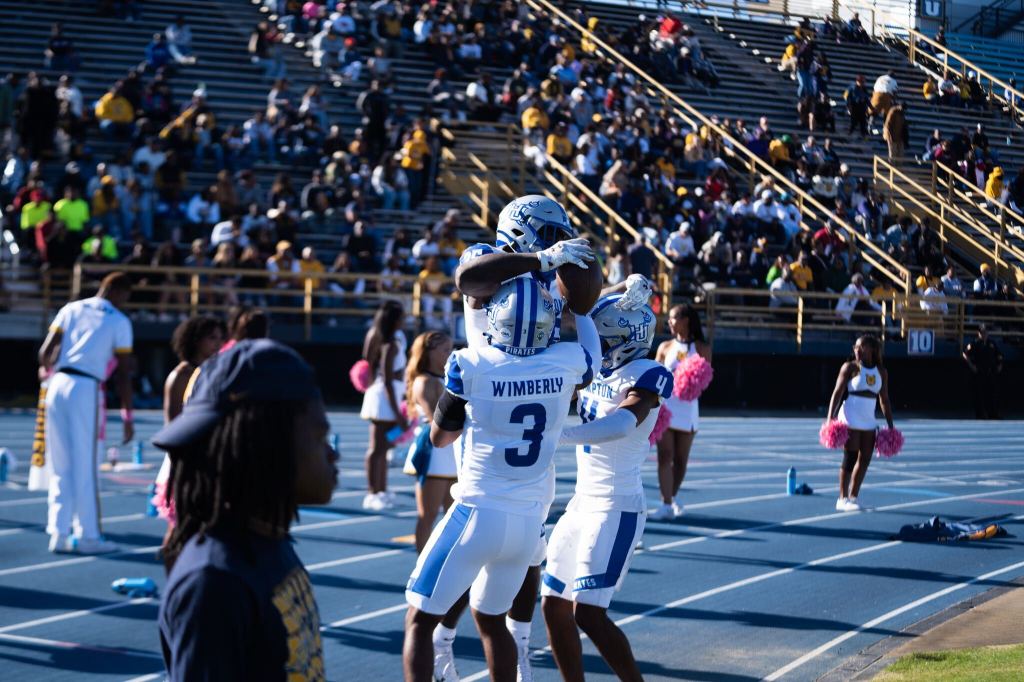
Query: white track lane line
73,614
365,616
57,644
109,519
811,655
75,560
148,678
785,571
827,517
703,538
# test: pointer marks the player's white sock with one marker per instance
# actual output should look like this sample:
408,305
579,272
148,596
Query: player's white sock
520,631
443,635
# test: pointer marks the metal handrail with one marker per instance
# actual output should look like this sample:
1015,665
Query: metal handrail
876,257
897,182
564,181
914,53
815,312
205,292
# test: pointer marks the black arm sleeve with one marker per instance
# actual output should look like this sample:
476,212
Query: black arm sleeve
450,413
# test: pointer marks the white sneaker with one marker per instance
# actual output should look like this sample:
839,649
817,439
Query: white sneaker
841,504
60,543
524,673
853,505
93,546
373,502
662,513
677,508
385,500
444,662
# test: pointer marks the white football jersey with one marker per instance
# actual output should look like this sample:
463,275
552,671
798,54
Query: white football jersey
516,408
476,318
608,475
93,331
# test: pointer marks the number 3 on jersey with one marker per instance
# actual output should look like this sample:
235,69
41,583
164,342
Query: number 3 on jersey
532,435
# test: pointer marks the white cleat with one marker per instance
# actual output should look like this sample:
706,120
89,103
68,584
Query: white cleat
852,505
444,662
93,546
662,513
60,544
373,502
677,509
523,673
841,504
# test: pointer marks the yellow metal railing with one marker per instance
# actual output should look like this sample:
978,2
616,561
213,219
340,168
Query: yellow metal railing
954,226
809,206
998,222
467,172
939,59
811,313
192,290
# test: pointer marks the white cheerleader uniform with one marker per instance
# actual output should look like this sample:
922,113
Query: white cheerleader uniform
858,412
375,401
685,413
440,462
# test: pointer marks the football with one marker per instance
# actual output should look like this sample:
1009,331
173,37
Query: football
580,288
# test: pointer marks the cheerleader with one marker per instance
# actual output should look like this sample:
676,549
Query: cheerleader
674,445
384,348
865,382
434,468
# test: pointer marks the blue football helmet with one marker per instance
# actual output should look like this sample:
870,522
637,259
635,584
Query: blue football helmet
520,317
625,334
533,223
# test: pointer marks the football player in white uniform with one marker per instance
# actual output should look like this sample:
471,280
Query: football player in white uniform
593,542
534,238
509,402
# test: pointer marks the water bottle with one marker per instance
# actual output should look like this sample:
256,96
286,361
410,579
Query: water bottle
335,442
134,587
150,507
791,481
5,462
137,455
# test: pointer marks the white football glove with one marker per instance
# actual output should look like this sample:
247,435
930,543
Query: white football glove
638,292
576,251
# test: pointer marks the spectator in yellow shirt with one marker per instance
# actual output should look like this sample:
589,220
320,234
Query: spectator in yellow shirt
434,290
558,145
930,91
36,211
802,274
451,248
778,153
414,153
309,264
106,206
535,119
115,114
72,210
587,44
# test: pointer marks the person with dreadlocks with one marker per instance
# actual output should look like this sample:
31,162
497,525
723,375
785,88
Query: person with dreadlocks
248,448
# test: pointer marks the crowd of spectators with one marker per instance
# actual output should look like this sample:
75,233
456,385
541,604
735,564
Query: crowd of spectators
672,181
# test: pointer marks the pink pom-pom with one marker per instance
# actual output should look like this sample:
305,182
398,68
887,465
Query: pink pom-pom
691,377
164,507
359,375
889,442
660,426
833,434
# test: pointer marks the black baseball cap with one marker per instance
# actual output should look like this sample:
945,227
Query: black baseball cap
251,371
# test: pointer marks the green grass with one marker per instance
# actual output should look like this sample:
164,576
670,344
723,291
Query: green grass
984,664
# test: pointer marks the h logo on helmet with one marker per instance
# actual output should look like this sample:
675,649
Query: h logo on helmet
638,332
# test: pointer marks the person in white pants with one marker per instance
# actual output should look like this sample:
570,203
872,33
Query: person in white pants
83,339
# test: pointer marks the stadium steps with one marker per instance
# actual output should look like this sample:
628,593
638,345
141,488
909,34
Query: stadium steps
872,60
1001,59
